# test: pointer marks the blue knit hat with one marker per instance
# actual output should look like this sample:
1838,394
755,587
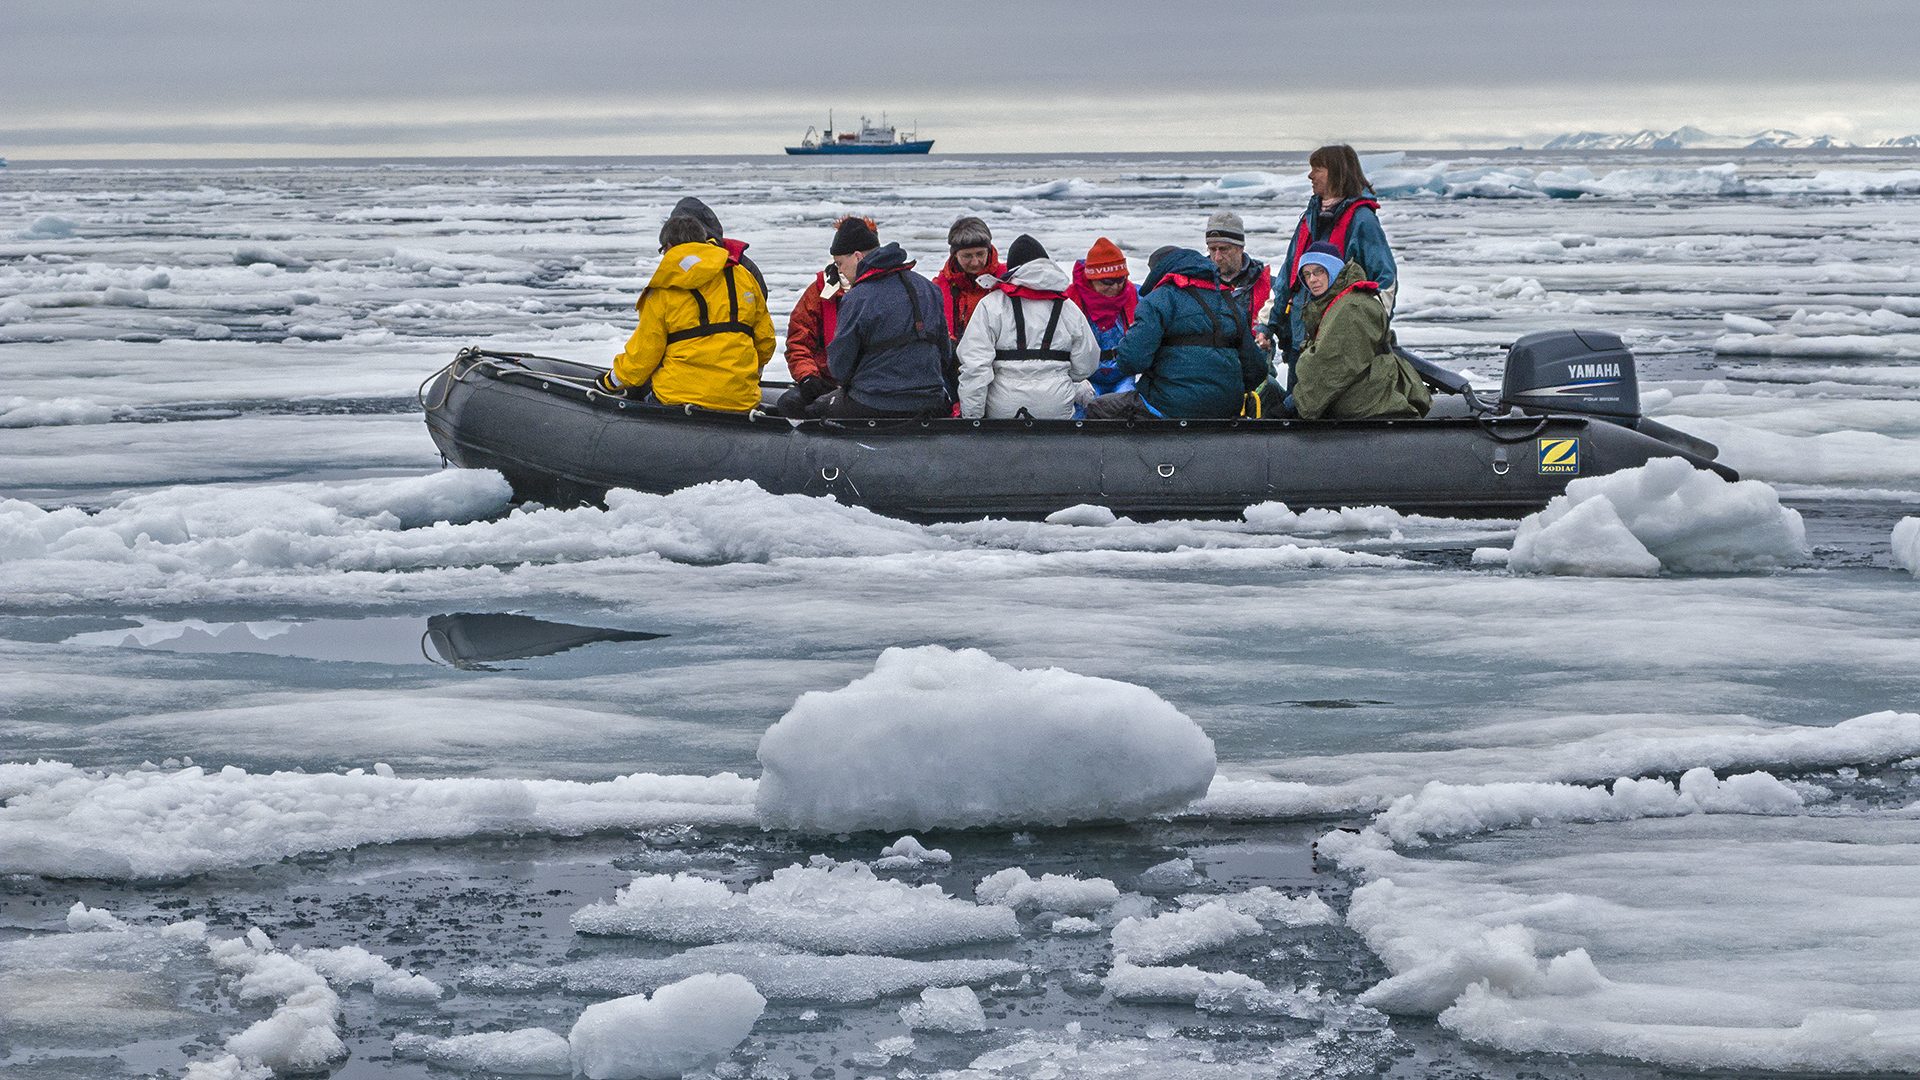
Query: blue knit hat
1326,256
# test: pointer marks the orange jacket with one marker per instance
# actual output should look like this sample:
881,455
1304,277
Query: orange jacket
810,328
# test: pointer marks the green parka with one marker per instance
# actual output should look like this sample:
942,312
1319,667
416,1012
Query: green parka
1348,369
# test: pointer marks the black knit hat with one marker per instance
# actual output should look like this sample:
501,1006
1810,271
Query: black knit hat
1159,254
854,235
1025,249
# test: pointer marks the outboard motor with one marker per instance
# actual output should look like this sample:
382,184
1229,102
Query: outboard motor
1588,372
1585,373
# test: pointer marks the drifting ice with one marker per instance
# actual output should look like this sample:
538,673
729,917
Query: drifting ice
683,1027
1663,515
939,738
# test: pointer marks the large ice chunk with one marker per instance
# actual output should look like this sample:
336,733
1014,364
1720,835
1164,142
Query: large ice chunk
943,738
1906,545
825,906
686,1026
1664,514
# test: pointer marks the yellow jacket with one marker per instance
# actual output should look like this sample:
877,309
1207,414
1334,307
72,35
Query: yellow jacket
704,332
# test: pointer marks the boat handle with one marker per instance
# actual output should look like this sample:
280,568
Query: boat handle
1500,465
1165,470
830,473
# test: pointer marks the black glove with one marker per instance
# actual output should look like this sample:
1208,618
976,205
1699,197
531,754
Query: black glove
812,386
608,386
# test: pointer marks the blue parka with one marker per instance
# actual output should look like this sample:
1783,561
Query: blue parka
879,353
1366,245
1185,379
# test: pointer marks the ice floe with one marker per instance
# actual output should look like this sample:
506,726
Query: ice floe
938,737
824,906
1665,514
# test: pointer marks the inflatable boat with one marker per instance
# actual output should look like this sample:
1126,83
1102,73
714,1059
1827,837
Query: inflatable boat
1569,407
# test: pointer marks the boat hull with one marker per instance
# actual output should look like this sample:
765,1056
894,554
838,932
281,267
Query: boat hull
921,147
534,420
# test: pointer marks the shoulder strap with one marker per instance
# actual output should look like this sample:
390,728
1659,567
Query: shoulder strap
1046,351
918,332
707,327
1215,340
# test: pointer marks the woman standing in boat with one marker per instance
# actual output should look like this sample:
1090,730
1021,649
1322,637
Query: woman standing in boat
1339,214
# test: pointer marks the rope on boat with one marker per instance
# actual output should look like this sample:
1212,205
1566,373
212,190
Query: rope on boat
1487,422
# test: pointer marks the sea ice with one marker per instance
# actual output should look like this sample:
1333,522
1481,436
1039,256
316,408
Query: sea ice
1266,902
686,1026
1064,893
1906,545
1664,514
956,1010
825,906
1184,984
523,1052
780,973
942,738
908,852
1178,933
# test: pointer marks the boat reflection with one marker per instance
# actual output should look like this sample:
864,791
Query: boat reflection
470,640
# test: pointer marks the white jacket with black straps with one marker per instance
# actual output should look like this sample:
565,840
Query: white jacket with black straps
1000,374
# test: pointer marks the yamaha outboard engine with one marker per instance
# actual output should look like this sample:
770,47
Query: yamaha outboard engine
1572,371
1585,373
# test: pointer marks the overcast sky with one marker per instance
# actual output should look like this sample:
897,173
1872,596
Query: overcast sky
274,78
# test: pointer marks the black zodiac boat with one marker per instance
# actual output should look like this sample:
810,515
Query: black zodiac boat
1569,407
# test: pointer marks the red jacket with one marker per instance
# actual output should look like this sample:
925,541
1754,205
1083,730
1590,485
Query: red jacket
962,293
810,328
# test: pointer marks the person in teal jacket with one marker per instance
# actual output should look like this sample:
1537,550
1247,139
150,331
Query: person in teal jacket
1189,349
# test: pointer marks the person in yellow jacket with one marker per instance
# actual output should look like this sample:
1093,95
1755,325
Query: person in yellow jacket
704,331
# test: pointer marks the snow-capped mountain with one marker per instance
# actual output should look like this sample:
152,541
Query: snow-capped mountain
1692,138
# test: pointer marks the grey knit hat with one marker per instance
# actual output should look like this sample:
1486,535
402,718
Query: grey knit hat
1226,225
969,232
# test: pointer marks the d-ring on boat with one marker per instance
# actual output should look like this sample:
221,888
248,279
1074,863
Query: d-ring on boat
1569,407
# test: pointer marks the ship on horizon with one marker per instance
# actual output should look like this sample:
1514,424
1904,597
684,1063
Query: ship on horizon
870,139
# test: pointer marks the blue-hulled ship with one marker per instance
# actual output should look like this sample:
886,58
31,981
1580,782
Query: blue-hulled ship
870,139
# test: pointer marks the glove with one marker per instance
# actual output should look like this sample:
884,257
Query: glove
608,386
812,386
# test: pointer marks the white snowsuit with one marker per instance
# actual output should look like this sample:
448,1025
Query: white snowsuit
997,385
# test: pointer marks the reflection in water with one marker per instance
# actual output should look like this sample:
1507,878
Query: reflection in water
469,640
463,640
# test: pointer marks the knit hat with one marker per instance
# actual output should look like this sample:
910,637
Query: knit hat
1325,256
1025,249
854,234
1159,255
1104,260
1225,225
969,232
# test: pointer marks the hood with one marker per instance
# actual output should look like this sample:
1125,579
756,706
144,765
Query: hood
689,266
1350,274
700,212
1184,261
1042,274
883,259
